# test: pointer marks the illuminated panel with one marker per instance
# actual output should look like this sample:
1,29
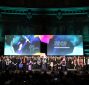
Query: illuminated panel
21,45
65,45
45,38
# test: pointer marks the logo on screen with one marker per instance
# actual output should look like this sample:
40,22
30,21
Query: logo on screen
61,44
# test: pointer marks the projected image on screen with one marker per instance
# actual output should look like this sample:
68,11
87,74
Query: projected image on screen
21,45
65,45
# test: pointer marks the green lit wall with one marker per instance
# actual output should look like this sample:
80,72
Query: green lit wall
46,24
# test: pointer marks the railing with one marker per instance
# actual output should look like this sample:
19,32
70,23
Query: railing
46,11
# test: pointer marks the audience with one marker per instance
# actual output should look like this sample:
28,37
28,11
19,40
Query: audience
39,78
13,73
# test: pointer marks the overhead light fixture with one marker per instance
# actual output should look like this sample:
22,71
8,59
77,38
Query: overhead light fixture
59,15
29,14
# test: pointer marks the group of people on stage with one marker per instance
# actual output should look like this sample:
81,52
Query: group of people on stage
38,62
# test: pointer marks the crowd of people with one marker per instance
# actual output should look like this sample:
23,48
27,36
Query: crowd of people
30,63
33,70
38,78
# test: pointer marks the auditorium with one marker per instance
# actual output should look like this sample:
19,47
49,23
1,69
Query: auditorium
44,42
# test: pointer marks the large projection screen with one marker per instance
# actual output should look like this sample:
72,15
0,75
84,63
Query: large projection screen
65,45
21,45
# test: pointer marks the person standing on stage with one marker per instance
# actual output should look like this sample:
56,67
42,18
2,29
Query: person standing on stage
39,62
24,61
63,65
30,66
3,64
51,65
20,66
8,61
44,64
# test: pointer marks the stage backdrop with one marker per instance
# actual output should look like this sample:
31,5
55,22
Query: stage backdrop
31,44
65,45
22,45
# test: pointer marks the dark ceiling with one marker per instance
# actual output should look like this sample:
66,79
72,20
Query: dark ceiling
14,22
44,3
